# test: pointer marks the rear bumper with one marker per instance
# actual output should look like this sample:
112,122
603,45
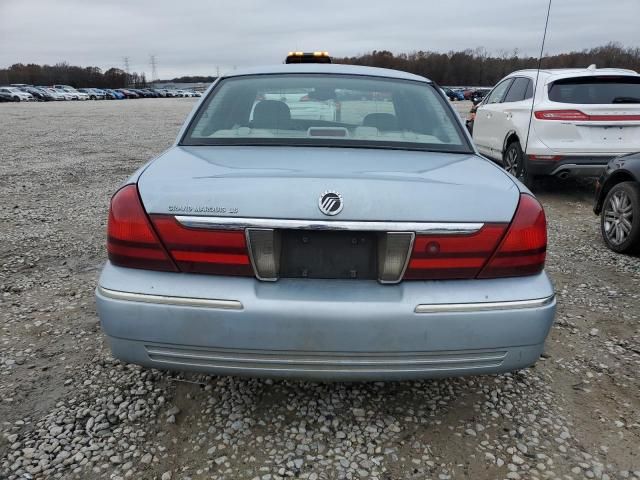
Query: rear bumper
570,165
324,330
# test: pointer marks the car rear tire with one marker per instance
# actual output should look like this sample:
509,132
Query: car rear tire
16,99
620,218
514,162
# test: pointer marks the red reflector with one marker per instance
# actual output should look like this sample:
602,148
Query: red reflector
523,250
131,241
553,158
195,250
453,256
577,115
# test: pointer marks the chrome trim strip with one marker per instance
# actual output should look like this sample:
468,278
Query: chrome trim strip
377,370
226,223
483,306
264,360
167,300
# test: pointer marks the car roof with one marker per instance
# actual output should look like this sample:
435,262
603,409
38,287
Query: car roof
551,74
330,68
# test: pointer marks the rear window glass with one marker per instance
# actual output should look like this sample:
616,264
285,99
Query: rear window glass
596,90
326,110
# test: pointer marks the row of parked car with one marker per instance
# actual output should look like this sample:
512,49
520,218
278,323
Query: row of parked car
30,93
459,94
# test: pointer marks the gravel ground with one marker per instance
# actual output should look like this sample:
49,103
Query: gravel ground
68,410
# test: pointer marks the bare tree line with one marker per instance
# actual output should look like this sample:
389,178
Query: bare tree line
65,74
478,68
468,67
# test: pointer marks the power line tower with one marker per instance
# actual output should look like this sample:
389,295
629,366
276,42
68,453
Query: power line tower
154,68
127,71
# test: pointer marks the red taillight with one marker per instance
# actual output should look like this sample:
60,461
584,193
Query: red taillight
569,115
523,250
217,252
131,241
453,256
496,250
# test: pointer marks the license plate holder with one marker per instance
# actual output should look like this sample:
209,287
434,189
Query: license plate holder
335,255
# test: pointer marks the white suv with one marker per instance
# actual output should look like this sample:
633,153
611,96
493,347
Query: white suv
75,94
581,119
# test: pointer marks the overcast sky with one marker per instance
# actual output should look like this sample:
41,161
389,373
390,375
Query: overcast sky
194,37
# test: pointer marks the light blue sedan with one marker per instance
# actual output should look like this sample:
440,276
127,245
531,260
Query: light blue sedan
370,244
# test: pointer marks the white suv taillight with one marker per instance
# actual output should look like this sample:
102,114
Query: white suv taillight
566,115
578,116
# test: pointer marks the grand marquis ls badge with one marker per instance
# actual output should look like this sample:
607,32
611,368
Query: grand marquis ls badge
330,203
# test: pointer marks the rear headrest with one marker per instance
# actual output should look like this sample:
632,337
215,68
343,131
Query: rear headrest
271,114
382,121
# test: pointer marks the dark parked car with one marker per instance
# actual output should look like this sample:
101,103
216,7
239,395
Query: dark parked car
475,94
128,93
39,94
618,203
110,94
114,94
141,93
453,95
149,93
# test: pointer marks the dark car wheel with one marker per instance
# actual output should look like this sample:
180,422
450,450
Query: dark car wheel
620,218
515,163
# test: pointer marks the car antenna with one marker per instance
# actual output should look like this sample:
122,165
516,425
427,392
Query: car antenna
535,86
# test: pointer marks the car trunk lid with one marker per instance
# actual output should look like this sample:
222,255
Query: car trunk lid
287,182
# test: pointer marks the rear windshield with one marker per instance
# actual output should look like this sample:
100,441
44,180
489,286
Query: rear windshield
326,110
596,90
